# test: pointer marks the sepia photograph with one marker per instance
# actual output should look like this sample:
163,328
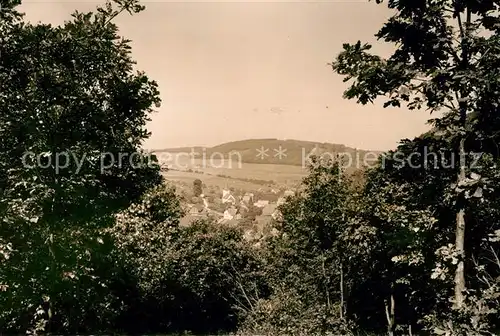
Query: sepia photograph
250,168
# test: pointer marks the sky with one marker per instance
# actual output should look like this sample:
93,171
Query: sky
238,70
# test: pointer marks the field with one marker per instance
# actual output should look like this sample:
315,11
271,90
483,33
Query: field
187,178
248,176
256,163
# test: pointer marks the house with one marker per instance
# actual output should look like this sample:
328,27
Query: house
248,198
193,211
227,197
230,213
197,210
243,206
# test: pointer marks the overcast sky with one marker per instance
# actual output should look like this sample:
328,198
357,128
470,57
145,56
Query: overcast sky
237,70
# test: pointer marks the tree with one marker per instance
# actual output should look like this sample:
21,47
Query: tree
142,231
438,66
396,280
197,187
253,212
414,179
307,259
72,117
195,278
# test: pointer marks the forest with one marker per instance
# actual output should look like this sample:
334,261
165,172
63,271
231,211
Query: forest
92,245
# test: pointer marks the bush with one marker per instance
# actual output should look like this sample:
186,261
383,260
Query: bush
184,278
285,313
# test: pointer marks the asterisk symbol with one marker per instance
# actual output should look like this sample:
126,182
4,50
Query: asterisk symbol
262,152
280,153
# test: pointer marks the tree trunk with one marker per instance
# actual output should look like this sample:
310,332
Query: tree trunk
341,291
389,313
465,30
460,235
326,281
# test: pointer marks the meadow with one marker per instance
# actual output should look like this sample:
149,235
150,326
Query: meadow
225,173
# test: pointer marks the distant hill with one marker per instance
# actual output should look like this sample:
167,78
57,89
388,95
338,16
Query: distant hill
275,151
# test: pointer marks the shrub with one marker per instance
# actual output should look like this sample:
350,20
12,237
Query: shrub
186,278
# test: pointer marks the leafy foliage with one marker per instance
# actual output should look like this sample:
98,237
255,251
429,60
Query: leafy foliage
90,240
445,53
305,257
197,187
199,273
70,107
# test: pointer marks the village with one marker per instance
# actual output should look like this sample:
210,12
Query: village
236,208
